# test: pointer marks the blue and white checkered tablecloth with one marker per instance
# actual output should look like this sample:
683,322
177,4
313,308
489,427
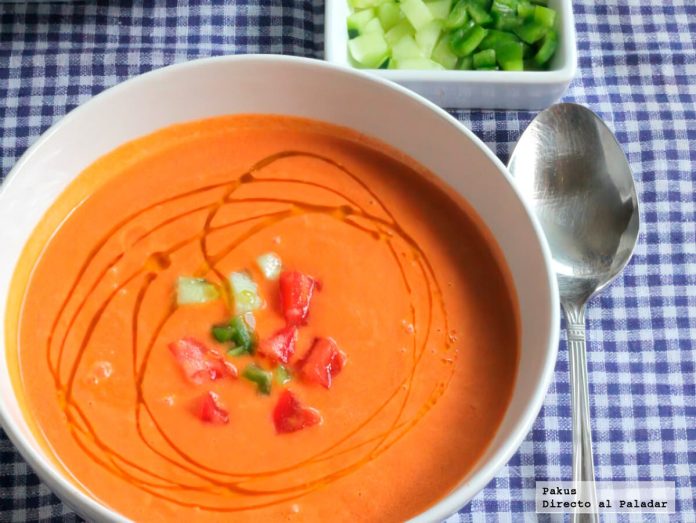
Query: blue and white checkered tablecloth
637,70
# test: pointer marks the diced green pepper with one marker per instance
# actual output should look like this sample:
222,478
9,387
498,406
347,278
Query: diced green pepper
242,335
494,38
484,58
458,15
531,32
262,378
545,16
466,63
547,49
222,333
491,68
504,7
525,10
465,41
506,22
509,56
479,14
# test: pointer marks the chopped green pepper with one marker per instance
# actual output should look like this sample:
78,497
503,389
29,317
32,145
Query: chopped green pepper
525,10
479,14
466,63
509,56
547,49
262,378
494,38
458,16
222,333
464,41
484,58
544,16
531,32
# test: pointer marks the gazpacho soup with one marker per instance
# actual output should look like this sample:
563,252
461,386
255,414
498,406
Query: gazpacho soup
263,318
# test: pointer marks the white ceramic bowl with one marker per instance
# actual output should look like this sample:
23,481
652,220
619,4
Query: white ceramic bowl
532,90
314,89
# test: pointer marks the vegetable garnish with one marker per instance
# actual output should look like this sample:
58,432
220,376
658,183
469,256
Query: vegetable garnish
281,346
244,292
290,415
296,291
200,363
282,375
239,331
262,378
323,362
270,265
211,409
195,290
446,34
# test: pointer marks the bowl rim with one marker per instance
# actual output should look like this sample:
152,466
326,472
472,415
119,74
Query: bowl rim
77,499
335,51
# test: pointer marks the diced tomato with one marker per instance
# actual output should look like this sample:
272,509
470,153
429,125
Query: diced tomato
296,291
200,363
211,409
281,346
323,362
290,415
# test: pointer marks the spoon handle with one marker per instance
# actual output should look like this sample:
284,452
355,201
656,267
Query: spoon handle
583,467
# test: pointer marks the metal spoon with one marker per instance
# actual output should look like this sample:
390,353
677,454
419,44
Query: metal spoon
570,168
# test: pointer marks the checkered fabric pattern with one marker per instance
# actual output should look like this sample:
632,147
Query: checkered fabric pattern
637,70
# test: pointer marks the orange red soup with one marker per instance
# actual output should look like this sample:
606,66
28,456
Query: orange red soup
356,371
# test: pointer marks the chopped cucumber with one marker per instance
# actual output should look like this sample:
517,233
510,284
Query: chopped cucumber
389,15
396,33
362,4
195,290
443,55
369,50
373,26
245,291
440,9
270,265
427,36
406,48
419,63
466,63
417,13
357,22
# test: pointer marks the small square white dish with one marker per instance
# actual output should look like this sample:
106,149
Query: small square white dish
532,90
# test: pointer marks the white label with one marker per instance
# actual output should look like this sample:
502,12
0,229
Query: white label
558,497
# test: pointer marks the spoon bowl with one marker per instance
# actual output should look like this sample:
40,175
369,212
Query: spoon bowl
572,171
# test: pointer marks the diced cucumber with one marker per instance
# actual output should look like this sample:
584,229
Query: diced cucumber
417,13
369,50
195,290
427,36
396,33
443,55
245,290
270,265
440,9
358,20
419,63
406,48
389,15
484,58
373,26
362,4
